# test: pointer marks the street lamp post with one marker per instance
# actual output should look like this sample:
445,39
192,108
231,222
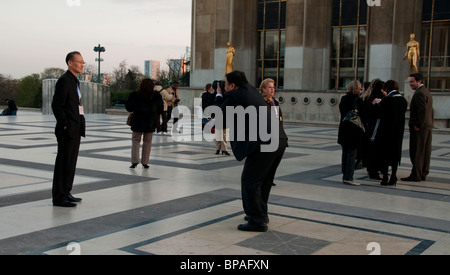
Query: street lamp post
100,50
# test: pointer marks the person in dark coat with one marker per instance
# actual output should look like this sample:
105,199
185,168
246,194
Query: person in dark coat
12,108
208,96
389,137
348,137
261,163
267,89
70,127
372,100
146,105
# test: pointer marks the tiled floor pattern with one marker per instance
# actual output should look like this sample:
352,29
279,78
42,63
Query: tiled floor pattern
188,202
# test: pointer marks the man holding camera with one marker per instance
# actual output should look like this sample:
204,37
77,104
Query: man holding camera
260,167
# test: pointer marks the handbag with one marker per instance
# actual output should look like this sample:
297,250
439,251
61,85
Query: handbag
130,117
353,119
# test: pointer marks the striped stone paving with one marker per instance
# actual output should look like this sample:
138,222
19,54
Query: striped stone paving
188,202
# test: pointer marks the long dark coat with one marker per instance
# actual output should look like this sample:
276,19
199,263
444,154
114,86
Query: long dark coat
389,138
144,112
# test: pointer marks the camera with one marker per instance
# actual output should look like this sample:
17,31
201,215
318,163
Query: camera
219,83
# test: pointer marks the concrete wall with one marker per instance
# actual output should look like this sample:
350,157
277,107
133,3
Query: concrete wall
441,101
298,106
96,98
321,107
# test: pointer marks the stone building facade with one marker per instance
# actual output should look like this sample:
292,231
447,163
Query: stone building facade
319,46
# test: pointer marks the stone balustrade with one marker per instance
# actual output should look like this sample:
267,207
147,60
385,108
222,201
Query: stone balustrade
96,98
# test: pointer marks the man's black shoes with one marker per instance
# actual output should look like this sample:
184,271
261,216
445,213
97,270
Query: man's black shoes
71,198
247,218
66,204
253,227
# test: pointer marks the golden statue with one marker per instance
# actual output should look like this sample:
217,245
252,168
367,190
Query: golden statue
229,64
413,54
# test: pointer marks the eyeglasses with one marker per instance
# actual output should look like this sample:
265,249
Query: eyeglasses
80,62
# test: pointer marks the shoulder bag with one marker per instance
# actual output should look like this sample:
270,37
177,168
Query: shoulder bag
353,119
130,116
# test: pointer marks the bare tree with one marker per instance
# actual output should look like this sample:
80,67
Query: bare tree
52,73
119,74
125,78
8,87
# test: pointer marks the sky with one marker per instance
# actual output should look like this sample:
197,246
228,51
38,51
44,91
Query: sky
36,35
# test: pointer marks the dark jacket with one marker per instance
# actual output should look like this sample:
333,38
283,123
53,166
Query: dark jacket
422,114
247,96
389,138
351,137
208,99
65,105
145,112
11,110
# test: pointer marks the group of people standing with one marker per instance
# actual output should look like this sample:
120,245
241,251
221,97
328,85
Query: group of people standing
382,110
170,99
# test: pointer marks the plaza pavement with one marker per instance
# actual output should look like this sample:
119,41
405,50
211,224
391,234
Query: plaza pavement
188,202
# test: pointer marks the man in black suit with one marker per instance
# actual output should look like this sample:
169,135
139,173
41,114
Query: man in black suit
261,162
70,127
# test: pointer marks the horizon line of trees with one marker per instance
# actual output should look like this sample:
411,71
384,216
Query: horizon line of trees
27,91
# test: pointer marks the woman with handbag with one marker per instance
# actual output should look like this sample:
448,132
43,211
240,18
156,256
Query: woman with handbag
146,105
350,135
